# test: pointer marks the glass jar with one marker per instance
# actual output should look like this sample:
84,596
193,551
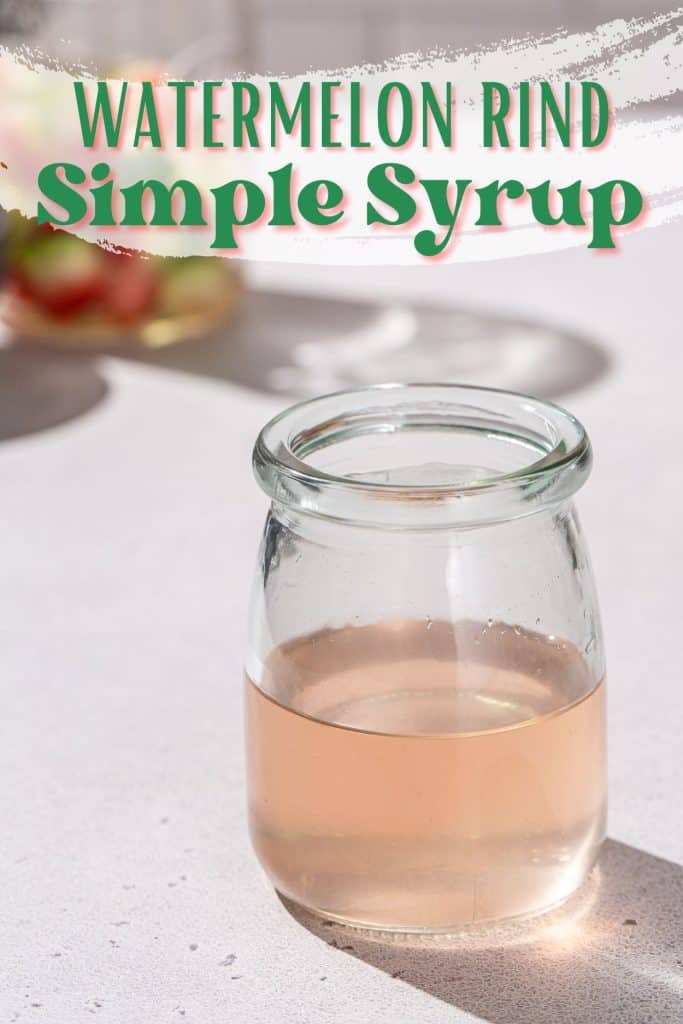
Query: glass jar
424,695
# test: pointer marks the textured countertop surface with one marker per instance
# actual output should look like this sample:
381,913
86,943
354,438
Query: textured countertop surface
129,892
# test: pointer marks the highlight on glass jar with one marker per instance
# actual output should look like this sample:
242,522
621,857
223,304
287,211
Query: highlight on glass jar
425,681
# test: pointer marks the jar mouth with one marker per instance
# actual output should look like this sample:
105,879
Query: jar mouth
422,455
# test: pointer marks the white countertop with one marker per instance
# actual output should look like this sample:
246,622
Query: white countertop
129,892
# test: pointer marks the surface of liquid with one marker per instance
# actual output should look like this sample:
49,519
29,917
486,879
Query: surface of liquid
413,787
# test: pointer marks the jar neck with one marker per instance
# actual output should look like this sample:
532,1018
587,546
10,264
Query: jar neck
351,535
421,457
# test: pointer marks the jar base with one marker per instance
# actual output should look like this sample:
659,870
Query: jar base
570,907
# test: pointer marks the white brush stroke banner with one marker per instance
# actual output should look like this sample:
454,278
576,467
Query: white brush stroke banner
638,62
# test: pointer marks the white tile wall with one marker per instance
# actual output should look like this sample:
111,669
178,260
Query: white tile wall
292,35
287,44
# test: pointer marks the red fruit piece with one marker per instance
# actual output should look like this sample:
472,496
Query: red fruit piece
131,289
59,272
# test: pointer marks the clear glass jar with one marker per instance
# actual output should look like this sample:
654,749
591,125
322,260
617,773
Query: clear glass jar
424,695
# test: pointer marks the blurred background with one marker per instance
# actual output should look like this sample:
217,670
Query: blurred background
278,337
289,36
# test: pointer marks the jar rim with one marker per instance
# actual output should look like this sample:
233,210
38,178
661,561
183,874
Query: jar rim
285,444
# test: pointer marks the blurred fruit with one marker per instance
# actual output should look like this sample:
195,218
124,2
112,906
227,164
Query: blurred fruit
59,272
64,291
190,284
131,288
